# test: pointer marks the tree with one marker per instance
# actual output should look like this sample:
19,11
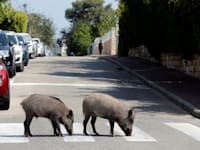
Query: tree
41,27
82,38
11,19
90,17
162,26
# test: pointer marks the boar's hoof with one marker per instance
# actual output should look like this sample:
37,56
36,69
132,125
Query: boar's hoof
85,133
97,134
27,135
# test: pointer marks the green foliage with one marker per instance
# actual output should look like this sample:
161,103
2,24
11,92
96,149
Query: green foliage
89,10
106,22
90,17
82,38
11,19
161,25
41,27
19,21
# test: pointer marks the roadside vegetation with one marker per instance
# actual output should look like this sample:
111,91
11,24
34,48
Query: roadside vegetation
161,25
35,24
89,19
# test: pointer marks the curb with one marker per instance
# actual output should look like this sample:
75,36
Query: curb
177,100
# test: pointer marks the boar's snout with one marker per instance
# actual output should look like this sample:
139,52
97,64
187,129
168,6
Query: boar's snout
128,132
68,122
70,131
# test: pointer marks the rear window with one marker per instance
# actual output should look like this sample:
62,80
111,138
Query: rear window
12,39
3,40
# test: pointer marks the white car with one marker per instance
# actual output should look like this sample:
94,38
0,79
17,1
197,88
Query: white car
12,38
40,47
29,42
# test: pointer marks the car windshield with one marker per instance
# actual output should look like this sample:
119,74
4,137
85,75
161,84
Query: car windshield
28,38
3,40
12,39
20,38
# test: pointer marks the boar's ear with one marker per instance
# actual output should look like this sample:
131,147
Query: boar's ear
70,114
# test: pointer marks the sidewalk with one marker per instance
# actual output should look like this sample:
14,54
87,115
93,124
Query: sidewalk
177,86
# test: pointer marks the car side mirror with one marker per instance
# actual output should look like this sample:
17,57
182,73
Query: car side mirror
11,43
21,43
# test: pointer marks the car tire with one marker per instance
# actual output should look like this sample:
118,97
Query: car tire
21,67
12,73
26,63
5,103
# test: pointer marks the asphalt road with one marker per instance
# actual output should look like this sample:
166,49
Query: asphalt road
159,124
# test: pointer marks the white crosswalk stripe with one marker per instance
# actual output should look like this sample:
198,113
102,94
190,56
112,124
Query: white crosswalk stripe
137,136
12,133
186,128
78,135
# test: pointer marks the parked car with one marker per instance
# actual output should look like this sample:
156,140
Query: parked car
19,63
4,87
8,53
29,42
39,46
25,48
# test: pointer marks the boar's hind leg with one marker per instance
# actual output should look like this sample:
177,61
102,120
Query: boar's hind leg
27,123
56,128
112,123
93,124
85,121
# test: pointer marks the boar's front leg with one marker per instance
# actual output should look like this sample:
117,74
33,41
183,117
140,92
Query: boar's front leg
93,120
56,128
85,121
112,123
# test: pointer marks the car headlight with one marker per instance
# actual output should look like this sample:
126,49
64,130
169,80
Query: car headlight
1,67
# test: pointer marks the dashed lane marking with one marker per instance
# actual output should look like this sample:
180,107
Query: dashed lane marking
186,128
105,85
137,135
78,135
12,133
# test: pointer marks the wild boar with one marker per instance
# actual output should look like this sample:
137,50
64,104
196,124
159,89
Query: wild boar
108,107
50,107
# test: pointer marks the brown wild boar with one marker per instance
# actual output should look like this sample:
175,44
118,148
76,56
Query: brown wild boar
108,107
50,107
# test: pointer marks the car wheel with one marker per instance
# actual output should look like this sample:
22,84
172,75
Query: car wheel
5,103
21,67
12,73
26,63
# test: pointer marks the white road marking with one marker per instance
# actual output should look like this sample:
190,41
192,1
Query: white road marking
12,133
78,135
137,135
186,128
105,85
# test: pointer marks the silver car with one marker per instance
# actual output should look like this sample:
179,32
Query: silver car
29,42
12,37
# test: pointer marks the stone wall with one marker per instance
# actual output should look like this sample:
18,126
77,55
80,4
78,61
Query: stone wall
172,61
109,41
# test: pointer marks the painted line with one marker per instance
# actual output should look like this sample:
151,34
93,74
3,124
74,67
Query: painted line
137,135
186,128
81,85
78,135
12,133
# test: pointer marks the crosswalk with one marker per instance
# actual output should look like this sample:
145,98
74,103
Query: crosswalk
13,133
